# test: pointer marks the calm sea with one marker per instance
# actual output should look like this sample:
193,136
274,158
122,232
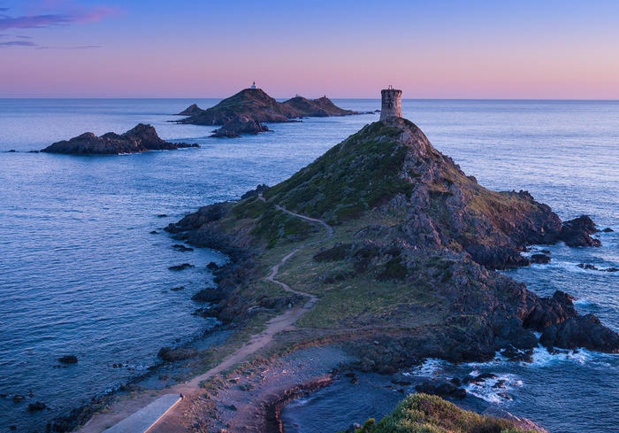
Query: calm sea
81,273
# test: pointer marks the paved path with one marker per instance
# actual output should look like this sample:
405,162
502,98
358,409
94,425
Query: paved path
143,419
151,418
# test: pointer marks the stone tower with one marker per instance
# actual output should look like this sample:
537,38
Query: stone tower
391,104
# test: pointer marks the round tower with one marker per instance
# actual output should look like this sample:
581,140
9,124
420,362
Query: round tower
391,103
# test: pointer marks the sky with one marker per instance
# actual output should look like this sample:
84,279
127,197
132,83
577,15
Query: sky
446,49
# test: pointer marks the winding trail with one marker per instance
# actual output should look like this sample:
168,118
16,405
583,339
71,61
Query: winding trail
163,414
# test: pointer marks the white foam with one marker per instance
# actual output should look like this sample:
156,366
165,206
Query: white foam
494,389
431,367
542,358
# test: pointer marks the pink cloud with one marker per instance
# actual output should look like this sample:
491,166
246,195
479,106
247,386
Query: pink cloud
56,19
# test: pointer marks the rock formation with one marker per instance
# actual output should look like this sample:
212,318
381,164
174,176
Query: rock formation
244,112
417,239
141,138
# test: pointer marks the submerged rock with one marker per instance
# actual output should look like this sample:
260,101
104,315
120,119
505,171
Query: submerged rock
141,138
68,359
37,406
541,259
170,354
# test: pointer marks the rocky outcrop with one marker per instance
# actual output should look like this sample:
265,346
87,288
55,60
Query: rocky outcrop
141,138
241,124
244,112
321,107
577,232
581,331
68,359
419,221
192,110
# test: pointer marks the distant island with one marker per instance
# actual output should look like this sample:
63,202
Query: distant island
141,138
244,112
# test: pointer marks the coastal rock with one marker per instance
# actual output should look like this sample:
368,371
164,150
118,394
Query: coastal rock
181,267
581,331
242,124
170,354
37,406
141,138
68,359
207,295
321,107
497,257
541,259
577,232
192,110
442,388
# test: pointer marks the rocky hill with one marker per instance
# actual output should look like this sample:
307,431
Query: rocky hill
244,112
141,138
408,273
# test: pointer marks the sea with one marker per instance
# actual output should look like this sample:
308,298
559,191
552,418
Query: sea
84,262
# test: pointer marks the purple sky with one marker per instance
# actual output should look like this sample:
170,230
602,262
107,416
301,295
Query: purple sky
551,49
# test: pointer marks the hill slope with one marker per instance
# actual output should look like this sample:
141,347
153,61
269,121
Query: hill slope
408,265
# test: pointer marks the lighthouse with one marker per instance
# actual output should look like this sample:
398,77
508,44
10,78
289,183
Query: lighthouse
391,103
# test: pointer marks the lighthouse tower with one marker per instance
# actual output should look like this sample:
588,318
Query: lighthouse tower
391,103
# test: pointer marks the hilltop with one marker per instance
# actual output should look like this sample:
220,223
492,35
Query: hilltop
244,112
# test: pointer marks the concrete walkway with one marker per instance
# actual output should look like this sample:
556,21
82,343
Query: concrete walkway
142,420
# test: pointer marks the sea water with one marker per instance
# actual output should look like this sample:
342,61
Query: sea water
82,273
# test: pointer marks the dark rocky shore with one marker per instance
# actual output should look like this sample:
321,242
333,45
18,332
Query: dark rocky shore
244,112
141,138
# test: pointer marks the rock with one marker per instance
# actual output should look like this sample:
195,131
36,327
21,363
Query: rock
212,266
192,110
517,355
581,331
177,289
181,267
181,248
550,311
612,269
577,232
497,257
141,138
401,379
541,259
442,388
588,266
153,232
68,359
607,230
258,106
170,354
242,124
207,295
162,215
18,398
36,406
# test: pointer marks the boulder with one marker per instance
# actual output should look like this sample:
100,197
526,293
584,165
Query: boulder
577,232
541,259
581,331
442,388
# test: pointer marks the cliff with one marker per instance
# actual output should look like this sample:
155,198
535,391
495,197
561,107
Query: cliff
255,105
141,138
408,273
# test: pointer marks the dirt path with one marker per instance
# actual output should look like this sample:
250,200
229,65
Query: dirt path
170,423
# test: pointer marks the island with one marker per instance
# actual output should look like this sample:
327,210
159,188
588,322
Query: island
141,138
244,112
378,255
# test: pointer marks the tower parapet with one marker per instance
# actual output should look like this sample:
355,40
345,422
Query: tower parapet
391,103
